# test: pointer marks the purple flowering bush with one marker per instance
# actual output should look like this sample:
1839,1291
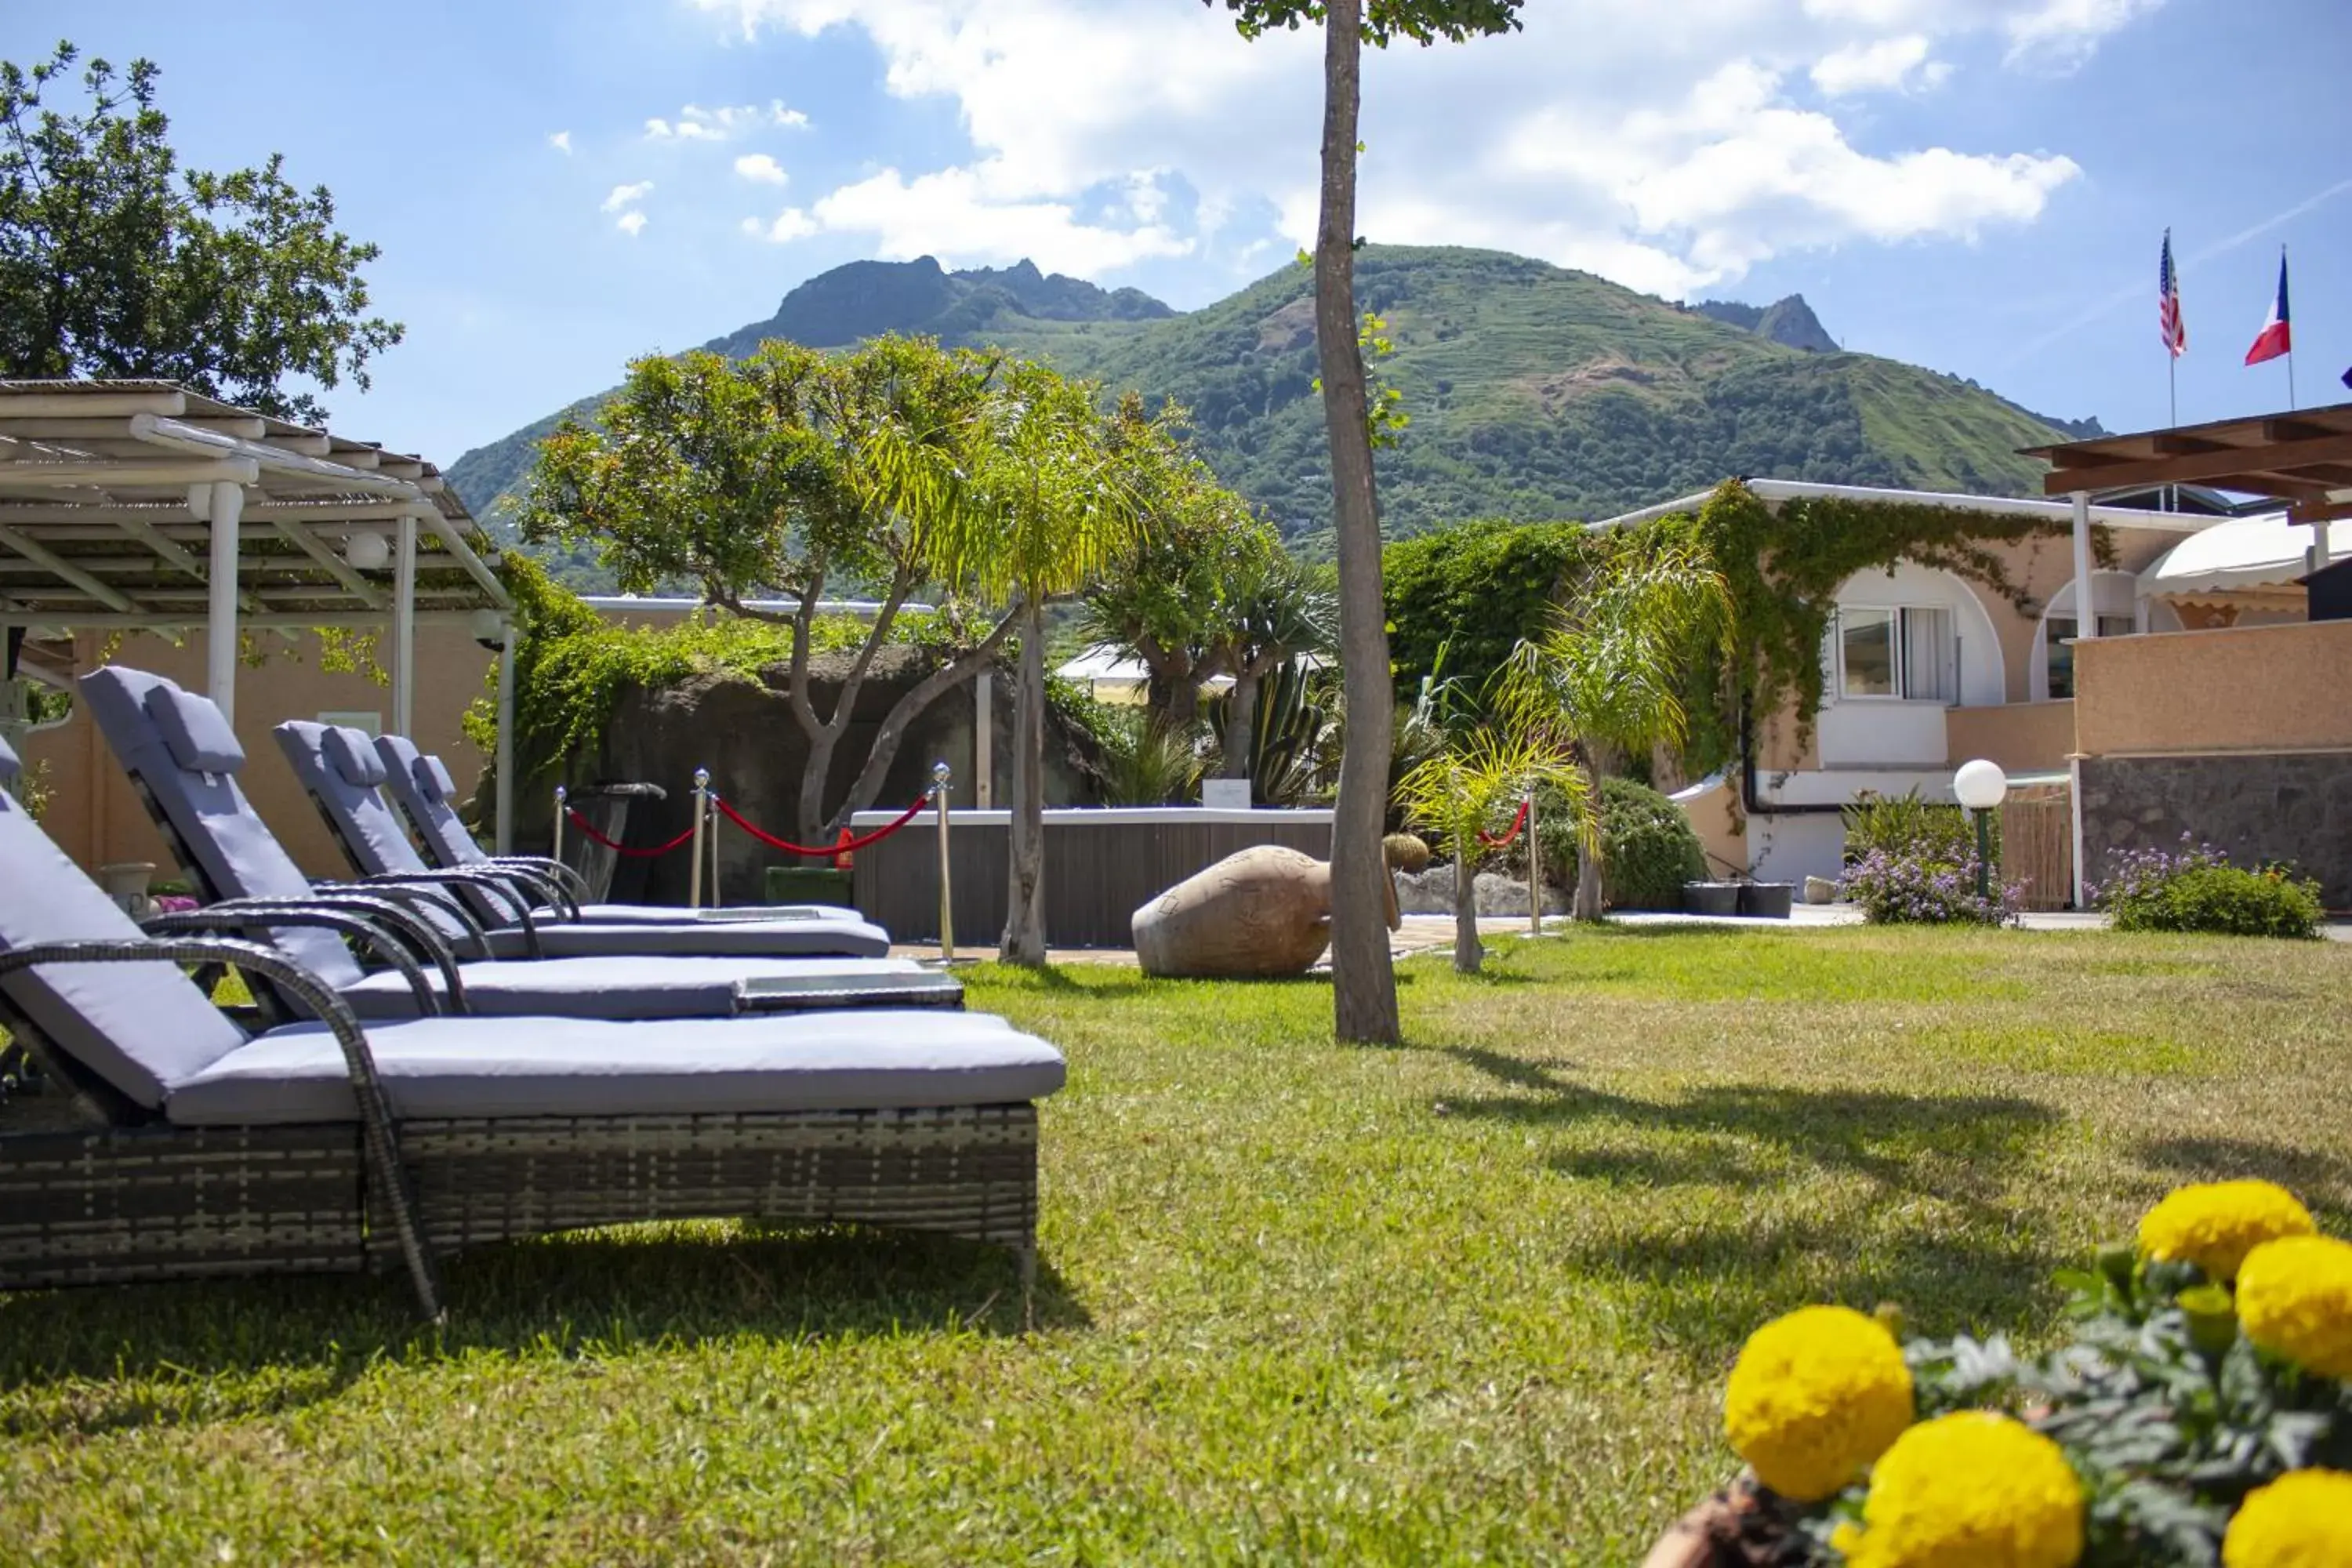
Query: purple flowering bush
1896,886
2194,888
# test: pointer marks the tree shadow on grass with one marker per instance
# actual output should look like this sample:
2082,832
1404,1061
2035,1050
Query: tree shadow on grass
285,1342
1704,1286
2321,1179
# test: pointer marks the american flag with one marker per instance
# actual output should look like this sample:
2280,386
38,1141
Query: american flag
2168,324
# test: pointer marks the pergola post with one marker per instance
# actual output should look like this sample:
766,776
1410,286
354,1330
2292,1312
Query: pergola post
2086,625
223,510
506,762
2086,618
404,628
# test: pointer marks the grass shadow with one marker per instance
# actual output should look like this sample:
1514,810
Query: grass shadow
198,1352
2323,1181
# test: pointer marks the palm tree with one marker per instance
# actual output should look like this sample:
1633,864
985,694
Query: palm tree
1461,791
1605,678
1047,509
1274,609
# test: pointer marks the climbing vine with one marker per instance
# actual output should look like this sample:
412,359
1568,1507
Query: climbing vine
1472,591
573,667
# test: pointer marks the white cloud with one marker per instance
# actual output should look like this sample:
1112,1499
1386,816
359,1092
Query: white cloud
562,141
786,227
627,196
695,123
1671,159
1879,66
631,223
760,168
952,216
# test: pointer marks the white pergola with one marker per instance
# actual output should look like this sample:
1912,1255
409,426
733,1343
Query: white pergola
142,506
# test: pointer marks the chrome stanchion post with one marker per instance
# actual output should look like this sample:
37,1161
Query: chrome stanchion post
559,824
940,780
701,810
716,902
1535,869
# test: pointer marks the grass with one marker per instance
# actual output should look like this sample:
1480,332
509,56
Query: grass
1470,1300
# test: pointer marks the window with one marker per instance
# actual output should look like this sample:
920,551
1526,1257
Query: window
1867,640
364,718
2058,632
1900,653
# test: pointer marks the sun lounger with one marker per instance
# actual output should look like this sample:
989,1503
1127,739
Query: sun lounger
420,786
344,776
183,759
328,1146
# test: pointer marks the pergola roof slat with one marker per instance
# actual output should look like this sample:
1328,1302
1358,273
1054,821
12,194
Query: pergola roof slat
2297,456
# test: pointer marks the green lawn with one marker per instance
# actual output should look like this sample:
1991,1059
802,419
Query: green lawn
1467,1301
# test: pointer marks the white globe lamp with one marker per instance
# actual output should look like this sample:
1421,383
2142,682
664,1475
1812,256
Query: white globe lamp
367,550
1980,786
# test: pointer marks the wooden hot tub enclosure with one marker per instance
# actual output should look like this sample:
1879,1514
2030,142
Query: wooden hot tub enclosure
1100,864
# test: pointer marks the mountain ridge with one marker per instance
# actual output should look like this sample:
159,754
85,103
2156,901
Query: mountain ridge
1534,390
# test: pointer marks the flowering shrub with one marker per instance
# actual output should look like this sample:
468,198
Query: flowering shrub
2200,1414
1905,888
2194,888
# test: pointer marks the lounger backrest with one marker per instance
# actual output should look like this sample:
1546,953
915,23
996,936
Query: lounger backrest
429,796
141,1027
180,750
345,774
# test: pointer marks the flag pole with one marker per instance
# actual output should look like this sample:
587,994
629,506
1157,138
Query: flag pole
2290,330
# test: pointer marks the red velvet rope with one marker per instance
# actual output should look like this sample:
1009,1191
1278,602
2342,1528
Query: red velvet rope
852,846
1516,822
580,822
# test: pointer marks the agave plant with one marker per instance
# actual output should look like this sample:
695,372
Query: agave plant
1291,730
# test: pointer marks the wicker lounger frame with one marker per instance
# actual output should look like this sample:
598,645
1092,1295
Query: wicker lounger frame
117,1204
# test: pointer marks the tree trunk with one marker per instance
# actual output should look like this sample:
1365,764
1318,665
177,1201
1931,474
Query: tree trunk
1467,952
1588,860
1184,700
1025,915
1241,723
1363,984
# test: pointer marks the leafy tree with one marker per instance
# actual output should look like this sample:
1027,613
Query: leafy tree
116,262
1050,506
789,472
1363,982
1276,609
1607,676
1467,789
1167,595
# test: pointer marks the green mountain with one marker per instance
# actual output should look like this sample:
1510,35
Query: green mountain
1534,390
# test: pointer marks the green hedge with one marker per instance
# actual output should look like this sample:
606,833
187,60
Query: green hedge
1648,847
2226,901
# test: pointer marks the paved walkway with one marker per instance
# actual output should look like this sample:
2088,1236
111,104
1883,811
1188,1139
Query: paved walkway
1426,934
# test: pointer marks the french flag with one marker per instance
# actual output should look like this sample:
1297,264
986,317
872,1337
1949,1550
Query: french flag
2275,337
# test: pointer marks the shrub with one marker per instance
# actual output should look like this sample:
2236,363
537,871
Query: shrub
2201,892
1895,888
1406,853
1148,761
1648,847
1905,825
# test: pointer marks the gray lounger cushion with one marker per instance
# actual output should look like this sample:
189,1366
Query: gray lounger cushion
138,1025
447,1068
610,987
343,769
420,783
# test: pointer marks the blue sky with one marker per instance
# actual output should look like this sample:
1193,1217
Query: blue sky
1976,185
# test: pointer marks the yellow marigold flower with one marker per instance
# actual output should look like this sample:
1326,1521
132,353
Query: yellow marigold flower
1968,1490
2303,1519
2295,1299
1815,1396
2215,1224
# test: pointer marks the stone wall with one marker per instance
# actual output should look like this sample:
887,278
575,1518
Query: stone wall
2256,806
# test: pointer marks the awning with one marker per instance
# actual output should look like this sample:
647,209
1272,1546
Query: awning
2245,553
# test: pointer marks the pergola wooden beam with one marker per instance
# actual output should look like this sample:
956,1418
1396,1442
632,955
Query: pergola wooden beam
65,569
2210,463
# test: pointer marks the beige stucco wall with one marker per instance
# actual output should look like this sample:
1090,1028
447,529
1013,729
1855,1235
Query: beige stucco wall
2270,688
2023,737
95,816
1722,831
2041,567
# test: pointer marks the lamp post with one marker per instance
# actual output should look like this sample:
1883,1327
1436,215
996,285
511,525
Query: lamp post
1980,786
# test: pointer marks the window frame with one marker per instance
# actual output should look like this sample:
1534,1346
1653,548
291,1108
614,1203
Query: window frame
1899,661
